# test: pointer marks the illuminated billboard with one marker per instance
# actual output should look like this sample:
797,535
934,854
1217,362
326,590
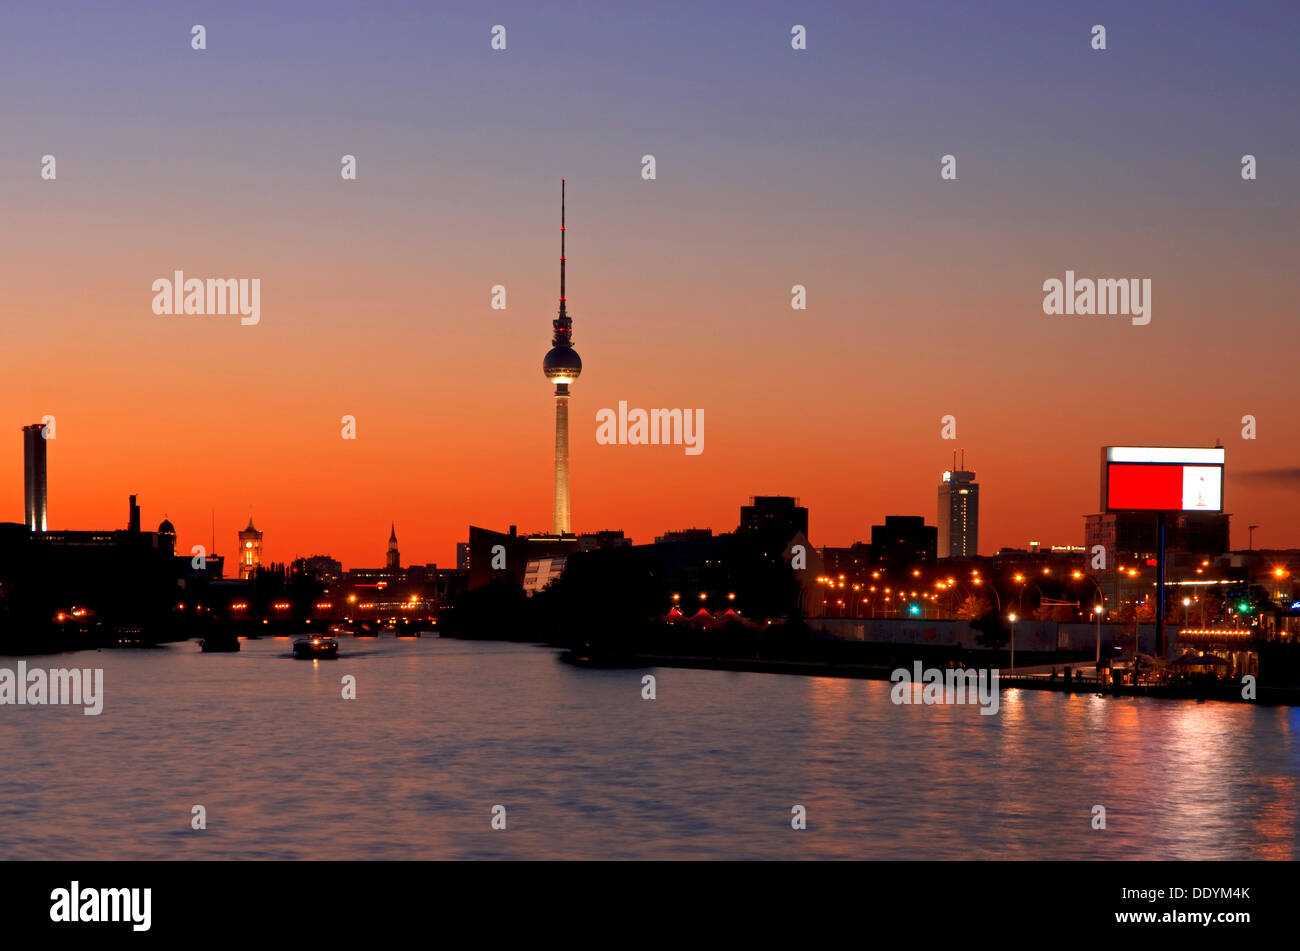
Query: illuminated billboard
1161,479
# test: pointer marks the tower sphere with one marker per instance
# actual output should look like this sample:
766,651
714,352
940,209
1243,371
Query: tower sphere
562,364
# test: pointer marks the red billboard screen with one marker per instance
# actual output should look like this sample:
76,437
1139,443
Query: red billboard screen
1162,479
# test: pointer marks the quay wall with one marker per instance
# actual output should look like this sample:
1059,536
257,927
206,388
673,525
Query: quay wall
1030,635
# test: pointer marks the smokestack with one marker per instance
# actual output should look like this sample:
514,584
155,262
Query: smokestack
34,477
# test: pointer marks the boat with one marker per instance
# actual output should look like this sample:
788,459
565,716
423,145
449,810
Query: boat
585,656
219,644
315,647
132,637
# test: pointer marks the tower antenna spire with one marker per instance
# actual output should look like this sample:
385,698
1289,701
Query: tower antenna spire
562,256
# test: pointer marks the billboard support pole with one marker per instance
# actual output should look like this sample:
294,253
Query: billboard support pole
1160,584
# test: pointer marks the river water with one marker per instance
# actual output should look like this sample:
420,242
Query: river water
441,731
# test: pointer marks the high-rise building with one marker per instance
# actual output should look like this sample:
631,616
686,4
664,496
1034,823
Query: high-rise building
562,365
250,550
394,556
34,477
959,515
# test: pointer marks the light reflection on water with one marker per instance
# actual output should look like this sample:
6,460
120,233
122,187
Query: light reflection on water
443,730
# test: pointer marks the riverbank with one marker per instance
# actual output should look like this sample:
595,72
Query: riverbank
1230,692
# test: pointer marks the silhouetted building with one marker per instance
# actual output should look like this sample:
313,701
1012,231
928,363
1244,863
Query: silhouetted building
504,556
904,541
686,535
35,478
97,582
779,516
959,515
325,570
133,516
1132,535
462,556
250,550
854,563
742,572
606,539
166,535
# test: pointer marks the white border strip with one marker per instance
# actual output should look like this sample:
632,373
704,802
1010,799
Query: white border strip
1212,457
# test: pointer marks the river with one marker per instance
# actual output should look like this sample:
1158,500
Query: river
441,731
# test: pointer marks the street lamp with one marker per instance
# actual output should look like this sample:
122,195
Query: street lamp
1012,619
1098,610
1187,603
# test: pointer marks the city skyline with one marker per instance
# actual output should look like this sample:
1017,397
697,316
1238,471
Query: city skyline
924,296
949,541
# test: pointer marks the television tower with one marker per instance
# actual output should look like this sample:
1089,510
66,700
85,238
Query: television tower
562,364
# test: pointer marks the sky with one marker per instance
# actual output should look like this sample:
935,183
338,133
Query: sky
774,167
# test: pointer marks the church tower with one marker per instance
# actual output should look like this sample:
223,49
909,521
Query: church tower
394,556
250,550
